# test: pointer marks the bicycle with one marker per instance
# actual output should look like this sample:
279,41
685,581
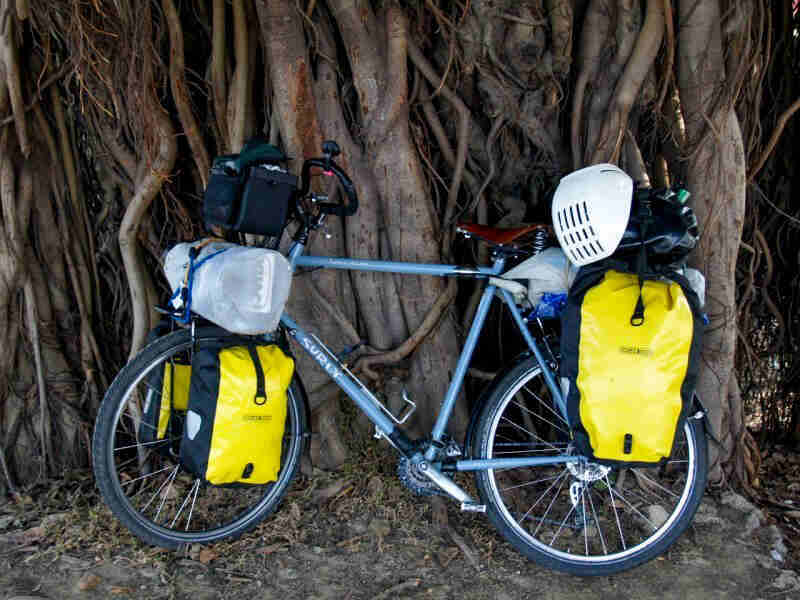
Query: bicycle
552,505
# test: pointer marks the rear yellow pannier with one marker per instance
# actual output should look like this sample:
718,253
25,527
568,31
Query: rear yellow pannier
629,384
233,431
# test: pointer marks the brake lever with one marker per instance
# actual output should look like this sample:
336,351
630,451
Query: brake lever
330,149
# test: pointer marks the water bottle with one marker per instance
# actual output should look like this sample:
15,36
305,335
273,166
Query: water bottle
239,288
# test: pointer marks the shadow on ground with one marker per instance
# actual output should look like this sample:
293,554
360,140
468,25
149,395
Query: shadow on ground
346,536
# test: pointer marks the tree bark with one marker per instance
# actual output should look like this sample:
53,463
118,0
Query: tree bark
377,49
138,278
716,176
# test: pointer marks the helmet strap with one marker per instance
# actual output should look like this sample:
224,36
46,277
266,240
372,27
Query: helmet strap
645,215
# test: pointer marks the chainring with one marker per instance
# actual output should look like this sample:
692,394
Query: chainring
414,480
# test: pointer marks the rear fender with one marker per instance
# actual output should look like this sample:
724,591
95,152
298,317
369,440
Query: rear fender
700,412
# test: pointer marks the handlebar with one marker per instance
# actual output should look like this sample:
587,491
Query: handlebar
331,168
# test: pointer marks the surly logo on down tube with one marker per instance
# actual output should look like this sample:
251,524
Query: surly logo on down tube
319,355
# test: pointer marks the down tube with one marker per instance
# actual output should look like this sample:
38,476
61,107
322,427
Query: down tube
344,381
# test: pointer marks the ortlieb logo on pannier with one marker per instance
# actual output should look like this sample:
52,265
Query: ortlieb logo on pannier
629,382
234,425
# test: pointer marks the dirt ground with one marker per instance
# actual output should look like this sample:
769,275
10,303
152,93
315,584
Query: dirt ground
358,534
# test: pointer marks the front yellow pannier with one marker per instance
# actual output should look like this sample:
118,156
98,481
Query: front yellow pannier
166,398
234,425
628,383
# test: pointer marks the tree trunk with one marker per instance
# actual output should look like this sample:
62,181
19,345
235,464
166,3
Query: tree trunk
502,97
716,176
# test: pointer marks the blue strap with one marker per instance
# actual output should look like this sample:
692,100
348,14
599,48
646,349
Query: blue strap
185,317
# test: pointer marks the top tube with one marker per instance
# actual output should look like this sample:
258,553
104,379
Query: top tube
297,259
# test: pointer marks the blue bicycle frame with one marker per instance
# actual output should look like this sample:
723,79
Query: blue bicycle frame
356,390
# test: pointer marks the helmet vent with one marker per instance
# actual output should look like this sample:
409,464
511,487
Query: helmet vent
590,235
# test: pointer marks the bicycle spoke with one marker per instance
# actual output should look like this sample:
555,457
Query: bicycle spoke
614,507
585,529
541,418
533,435
169,482
633,508
550,506
563,522
597,523
144,476
157,492
162,441
521,485
194,500
546,405
183,505
658,485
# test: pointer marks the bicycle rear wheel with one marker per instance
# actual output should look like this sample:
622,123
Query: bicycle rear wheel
581,519
144,484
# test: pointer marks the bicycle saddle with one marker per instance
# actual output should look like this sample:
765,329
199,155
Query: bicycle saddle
499,236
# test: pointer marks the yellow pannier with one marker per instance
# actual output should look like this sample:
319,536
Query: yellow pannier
628,383
233,431
166,398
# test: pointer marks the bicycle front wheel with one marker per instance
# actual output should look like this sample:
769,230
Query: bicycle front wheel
582,519
144,484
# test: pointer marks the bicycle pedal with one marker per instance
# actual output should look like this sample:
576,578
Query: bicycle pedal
473,507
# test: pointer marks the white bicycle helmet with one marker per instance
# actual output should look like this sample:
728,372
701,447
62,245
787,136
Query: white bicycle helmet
591,208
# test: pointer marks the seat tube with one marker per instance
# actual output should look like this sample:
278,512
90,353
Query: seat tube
464,360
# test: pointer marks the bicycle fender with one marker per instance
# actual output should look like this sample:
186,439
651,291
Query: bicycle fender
306,408
478,406
697,407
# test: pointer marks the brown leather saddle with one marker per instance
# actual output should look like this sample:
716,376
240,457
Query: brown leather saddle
514,239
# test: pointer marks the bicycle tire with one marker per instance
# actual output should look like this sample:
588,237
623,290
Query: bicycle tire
579,526
251,504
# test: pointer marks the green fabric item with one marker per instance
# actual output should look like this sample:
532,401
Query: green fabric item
256,150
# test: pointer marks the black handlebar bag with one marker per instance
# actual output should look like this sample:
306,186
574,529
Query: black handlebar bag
250,192
629,379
